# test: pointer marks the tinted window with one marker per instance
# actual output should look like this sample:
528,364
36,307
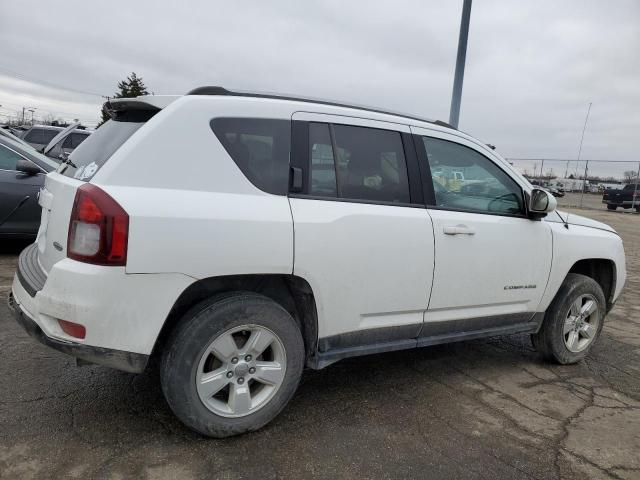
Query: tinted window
464,179
260,148
323,173
98,148
370,164
40,135
8,158
74,140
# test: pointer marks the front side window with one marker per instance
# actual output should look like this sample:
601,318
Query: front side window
260,147
464,179
359,163
8,158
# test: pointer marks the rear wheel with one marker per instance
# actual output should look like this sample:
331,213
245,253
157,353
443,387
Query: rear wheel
573,321
232,365
611,207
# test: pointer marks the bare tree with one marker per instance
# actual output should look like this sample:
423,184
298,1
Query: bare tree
630,176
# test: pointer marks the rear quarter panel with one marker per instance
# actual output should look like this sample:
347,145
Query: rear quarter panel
191,209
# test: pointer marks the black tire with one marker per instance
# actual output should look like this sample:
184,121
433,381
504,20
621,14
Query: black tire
199,327
611,207
549,340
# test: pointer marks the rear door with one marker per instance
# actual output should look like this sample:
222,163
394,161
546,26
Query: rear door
492,262
363,238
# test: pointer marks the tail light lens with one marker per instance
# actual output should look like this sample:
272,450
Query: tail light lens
99,228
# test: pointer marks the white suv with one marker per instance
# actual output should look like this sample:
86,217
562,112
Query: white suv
241,237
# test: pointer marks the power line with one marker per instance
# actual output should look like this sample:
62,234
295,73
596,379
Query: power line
48,83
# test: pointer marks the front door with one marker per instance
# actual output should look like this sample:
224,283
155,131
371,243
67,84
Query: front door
492,262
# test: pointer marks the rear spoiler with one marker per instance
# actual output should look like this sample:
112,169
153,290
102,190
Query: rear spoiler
138,109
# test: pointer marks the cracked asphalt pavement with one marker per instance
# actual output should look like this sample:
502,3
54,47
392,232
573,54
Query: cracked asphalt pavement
472,410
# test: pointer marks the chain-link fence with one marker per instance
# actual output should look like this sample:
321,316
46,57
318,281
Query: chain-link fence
585,183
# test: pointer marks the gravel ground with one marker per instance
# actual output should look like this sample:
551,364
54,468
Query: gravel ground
479,409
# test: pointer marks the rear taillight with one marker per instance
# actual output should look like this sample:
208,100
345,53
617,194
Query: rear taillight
98,229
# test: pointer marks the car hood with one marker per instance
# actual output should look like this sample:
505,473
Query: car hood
573,219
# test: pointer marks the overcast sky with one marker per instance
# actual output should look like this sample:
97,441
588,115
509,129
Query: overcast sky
532,66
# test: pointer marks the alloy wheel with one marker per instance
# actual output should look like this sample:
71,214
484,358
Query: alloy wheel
241,370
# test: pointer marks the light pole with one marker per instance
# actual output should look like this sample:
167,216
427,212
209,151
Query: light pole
586,167
454,113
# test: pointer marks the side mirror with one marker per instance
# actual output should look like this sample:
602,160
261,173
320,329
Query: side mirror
541,202
27,167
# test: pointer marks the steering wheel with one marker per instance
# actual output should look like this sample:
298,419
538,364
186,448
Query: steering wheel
507,197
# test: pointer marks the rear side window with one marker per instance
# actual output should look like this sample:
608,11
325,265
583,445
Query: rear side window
260,147
40,135
98,147
369,163
323,173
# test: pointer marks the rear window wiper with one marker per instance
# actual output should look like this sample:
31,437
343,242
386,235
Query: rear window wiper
67,161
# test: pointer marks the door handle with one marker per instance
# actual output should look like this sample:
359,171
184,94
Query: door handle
458,230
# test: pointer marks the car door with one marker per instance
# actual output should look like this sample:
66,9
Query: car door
363,239
19,209
492,262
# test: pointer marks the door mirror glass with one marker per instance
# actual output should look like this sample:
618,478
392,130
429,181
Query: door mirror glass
541,201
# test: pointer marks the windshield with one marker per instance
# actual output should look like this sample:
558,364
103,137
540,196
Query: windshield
94,152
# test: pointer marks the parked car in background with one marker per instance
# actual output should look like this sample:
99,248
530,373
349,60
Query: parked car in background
22,174
68,144
11,134
556,192
39,136
296,233
627,197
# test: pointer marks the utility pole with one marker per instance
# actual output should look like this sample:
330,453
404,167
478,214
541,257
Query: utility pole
454,114
586,167
22,122
635,188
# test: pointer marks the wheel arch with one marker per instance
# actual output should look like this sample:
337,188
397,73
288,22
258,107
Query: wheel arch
292,292
603,271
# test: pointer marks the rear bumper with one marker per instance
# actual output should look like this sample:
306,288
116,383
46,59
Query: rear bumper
122,313
126,361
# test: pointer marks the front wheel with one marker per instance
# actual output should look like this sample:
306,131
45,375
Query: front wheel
611,207
573,321
232,365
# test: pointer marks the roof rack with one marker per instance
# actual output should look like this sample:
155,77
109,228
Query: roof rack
221,91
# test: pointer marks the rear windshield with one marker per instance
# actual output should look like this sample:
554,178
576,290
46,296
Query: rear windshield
98,147
40,135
